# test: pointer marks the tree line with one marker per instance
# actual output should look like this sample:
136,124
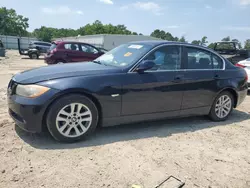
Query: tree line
13,24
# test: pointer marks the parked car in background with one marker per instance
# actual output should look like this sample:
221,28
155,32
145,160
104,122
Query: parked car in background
36,48
68,52
246,65
126,85
43,47
2,49
232,51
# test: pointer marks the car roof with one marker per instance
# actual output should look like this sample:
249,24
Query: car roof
40,42
65,42
162,42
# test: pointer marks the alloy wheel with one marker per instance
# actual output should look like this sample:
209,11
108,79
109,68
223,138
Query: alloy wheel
73,120
223,106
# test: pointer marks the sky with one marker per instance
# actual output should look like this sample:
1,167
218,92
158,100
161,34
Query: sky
194,19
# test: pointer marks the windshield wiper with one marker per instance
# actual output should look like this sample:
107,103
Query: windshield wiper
98,62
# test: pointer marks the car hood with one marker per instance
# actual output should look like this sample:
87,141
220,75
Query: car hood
61,71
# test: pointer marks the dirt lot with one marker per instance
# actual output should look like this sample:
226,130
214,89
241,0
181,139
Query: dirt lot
199,152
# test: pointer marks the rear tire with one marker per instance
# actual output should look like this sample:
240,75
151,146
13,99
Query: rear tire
60,62
72,118
222,106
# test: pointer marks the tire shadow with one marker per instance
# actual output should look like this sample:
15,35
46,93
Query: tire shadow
40,58
108,135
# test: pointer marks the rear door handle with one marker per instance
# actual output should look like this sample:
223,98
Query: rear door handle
178,78
216,76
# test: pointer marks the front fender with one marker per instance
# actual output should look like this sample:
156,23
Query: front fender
105,89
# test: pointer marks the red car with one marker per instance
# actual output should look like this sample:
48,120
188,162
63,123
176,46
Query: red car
67,52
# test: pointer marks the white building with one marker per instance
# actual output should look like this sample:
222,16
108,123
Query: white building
108,41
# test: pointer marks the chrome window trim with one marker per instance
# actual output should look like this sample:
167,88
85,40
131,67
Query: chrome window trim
131,70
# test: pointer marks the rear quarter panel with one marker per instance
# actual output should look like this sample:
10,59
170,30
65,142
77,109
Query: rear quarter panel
233,78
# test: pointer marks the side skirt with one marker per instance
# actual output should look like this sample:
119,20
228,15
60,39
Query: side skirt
106,122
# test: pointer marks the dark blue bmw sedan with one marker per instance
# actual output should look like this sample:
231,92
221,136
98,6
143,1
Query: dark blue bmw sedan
134,82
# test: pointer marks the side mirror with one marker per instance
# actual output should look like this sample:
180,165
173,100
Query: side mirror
145,65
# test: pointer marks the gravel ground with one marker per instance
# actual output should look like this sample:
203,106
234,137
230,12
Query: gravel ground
199,152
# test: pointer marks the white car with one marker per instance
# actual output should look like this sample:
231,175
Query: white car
246,65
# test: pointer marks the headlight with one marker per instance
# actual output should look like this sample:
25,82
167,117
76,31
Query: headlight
31,91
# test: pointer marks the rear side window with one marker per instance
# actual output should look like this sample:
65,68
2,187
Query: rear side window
199,59
217,62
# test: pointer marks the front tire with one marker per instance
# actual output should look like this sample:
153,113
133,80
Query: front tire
222,106
72,118
34,56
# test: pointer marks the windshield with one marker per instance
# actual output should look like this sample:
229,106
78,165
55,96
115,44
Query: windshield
52,47
124,55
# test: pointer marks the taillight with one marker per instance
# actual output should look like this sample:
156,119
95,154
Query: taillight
241,66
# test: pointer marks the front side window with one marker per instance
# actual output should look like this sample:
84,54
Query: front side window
199,59
88,49
73,47
165,58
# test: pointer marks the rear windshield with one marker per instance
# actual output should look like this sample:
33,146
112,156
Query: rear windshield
52,47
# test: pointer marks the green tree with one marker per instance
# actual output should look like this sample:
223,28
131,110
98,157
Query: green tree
204,41
211,45
44,33
163,35
11,23
226,39
247,44
238,42
197,42
182,39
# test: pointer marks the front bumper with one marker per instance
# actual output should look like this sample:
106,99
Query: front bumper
28,113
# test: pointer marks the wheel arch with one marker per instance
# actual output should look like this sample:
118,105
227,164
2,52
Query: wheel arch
233,92
72,92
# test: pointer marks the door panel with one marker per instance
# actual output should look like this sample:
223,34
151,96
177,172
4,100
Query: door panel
151,92
198,89
199,78
156,90
72,52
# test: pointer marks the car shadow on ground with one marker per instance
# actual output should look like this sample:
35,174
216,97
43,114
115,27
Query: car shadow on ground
40,58
108,135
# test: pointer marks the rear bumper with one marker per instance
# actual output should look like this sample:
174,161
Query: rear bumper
241,96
